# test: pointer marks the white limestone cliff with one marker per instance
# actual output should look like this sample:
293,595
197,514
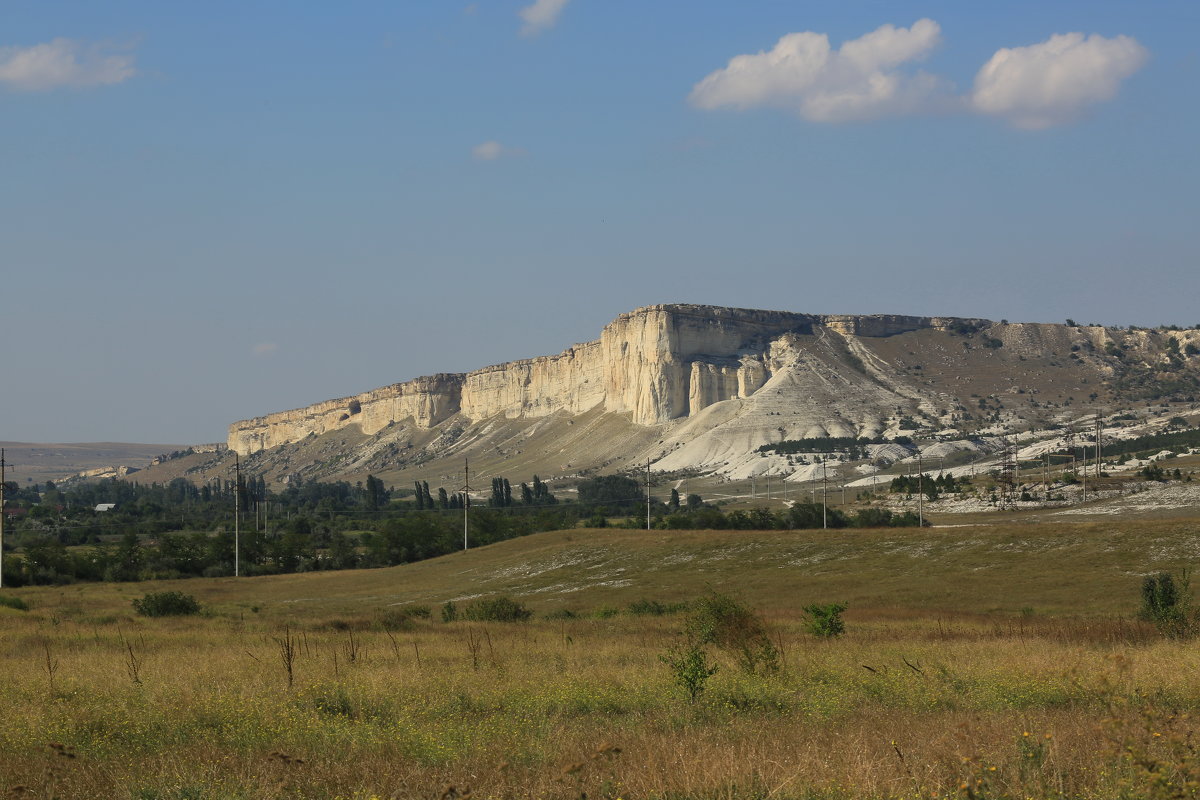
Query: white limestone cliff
657,364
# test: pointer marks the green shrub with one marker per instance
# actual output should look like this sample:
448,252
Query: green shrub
395,619
721,620
501,608
824,620
13,602
166,604
449,612
689,667
345,624
653,608
1169,606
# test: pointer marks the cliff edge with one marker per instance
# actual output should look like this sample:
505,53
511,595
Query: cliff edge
656,364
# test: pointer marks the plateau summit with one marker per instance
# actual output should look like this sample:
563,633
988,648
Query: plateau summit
697,388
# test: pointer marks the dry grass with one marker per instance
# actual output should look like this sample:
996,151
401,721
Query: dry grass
916,701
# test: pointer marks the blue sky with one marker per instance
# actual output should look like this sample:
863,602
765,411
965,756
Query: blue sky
214,211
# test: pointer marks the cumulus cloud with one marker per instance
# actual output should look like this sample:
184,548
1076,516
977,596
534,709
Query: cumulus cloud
540,15
62,62
858,81
492,150
1033,87
1053,82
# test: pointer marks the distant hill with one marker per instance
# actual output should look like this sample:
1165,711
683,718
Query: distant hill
38,463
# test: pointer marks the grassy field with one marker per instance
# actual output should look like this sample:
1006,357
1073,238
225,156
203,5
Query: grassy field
999,662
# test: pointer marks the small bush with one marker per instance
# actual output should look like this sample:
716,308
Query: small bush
335,702
349,624
689,667
497,609
395,619
824,620
721,620
9,601
1169,606
653,608
449,612
166,604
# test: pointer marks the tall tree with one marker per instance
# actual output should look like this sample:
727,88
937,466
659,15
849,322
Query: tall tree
376,494
129,558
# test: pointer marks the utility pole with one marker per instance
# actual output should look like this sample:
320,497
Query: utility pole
1069,443
1099,435
1083,473
3,464
466,497
237,513
824,497
647,493
1046,476
920,490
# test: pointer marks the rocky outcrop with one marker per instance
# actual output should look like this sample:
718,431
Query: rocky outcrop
656,364
427,401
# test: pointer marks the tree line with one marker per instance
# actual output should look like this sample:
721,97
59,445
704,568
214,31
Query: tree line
179,530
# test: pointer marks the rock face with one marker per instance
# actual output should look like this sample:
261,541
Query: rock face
657,365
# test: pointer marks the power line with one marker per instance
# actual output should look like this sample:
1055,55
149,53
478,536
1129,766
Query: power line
466,497
237,513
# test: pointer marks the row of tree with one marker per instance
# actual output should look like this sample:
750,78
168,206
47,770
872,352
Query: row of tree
181,530
932,487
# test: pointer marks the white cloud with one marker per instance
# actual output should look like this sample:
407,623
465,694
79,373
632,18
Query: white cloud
802,73
492,150
540,15
265,348
62,62
1053,82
